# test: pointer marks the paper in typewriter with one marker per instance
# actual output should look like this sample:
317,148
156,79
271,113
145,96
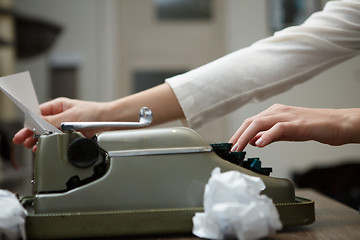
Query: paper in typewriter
20,90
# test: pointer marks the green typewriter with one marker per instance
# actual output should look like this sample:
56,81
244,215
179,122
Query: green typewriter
129,182
136,182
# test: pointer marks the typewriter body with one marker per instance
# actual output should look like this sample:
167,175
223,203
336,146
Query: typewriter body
152,172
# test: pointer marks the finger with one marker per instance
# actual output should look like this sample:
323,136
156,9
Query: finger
48,108
53,120
259,124
52,107
29,142
252,141
280,131
241,130
247,122
22,135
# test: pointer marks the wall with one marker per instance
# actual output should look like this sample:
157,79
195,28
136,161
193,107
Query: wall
85,41
7,57
148,44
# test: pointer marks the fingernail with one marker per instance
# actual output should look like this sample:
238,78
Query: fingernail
234,147
259,142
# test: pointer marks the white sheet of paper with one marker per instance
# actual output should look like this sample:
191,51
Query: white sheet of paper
19,88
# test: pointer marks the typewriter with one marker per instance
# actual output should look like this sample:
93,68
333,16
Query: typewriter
141,181
130,182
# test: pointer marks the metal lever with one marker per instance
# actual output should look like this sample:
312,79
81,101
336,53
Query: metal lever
145,120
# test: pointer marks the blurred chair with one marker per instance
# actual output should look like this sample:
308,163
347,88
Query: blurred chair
340,182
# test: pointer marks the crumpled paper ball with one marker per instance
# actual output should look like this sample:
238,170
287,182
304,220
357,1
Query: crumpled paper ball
12,216
234,208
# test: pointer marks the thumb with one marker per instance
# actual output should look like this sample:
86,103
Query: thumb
55,120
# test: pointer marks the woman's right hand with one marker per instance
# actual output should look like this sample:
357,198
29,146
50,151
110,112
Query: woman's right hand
287,123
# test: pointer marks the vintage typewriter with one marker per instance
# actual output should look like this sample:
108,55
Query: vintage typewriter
131,182
128,182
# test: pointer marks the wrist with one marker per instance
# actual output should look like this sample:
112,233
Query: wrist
109,112
351,124
119,110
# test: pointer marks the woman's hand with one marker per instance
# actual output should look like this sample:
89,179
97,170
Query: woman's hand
71,110
287,123
64,110
160,99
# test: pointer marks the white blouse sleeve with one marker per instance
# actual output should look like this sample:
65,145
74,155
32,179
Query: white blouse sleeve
271,65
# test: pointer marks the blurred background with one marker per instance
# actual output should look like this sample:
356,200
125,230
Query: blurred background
101,50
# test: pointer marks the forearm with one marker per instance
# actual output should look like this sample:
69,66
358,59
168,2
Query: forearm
270,66
160,99
350,125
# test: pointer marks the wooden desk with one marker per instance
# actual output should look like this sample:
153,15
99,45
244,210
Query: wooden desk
333,221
